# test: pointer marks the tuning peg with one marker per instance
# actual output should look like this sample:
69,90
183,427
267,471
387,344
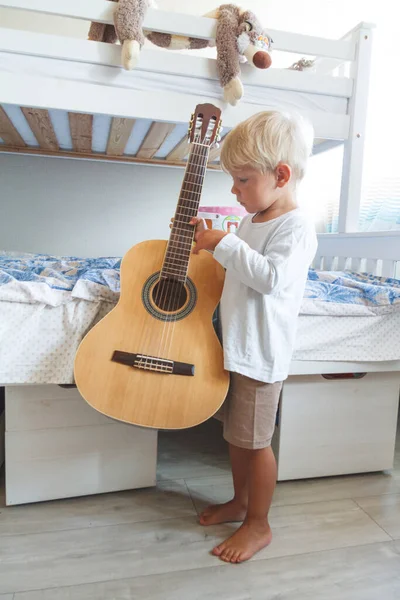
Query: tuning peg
216,145
218,138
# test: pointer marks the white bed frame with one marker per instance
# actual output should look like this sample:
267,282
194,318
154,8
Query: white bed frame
103,88
377,253
62,452
56,446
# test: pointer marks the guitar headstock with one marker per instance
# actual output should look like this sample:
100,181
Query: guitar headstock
205,125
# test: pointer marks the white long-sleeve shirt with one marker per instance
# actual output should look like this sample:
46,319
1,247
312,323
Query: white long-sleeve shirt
266,271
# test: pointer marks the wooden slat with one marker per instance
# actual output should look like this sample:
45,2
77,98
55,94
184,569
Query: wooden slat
81,127
40,123
180,151
104,157
119,135
8,133
154,139
96,96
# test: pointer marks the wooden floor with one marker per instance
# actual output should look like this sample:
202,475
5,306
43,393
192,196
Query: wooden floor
334,539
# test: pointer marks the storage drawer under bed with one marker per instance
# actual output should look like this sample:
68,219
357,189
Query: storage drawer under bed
57,446
336,426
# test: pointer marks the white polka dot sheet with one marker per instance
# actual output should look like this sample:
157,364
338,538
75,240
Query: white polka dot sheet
38,342
348,338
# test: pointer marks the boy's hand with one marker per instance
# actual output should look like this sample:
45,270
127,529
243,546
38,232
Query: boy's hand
206,239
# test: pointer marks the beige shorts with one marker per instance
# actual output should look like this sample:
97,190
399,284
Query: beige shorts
249,412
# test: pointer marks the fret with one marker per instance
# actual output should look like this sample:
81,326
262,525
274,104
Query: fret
182,265
195,174
186,200
172,268
184,255
176,260
181,214
173,250
168,268
182,234
180,248
181,243
200,185
179,255
191,191
204,156
195,202
182,239
183,222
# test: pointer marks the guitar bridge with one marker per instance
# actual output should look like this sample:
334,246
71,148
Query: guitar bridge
153,363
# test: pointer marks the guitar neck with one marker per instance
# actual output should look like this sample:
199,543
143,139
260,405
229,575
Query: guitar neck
176,261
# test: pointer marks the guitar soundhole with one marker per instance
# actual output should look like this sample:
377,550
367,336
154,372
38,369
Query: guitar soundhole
169,295
167,299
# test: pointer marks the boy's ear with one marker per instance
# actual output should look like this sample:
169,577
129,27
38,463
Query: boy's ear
283,174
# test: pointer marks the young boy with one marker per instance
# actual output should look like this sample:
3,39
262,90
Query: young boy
266,269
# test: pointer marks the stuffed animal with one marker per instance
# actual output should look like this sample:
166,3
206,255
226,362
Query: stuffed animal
304,64
240,38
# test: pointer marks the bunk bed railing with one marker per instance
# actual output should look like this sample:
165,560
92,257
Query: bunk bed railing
97,53
181,24
100,69
377,253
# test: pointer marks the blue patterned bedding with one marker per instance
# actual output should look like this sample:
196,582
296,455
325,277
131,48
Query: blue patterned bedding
347,293
52,280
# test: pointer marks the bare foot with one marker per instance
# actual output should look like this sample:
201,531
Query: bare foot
250,538
223,513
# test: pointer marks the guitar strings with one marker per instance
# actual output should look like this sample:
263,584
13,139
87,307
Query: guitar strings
200,167
179,239
164,296
173,246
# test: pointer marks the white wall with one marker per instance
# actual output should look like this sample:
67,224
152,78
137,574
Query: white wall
87,208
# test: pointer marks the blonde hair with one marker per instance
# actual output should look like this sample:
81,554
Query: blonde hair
267,139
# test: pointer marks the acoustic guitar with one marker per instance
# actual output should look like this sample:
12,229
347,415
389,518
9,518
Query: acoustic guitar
155,360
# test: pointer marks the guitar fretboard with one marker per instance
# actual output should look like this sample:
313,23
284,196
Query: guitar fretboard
179,247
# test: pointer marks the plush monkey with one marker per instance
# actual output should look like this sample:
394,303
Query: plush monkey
240,38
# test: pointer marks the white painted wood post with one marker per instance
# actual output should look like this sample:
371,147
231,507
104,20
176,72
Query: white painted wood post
350,196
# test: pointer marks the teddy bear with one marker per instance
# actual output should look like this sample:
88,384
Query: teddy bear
240,38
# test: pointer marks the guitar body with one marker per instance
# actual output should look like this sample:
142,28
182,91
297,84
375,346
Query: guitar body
174,324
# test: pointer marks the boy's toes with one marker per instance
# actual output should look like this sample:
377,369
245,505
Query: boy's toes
226,555
235,557
217,550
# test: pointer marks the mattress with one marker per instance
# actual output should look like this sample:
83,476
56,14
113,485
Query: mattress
39,343
47,304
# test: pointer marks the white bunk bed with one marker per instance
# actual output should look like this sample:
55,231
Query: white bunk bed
70,98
